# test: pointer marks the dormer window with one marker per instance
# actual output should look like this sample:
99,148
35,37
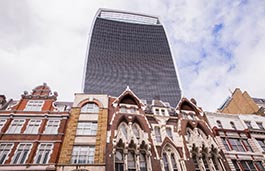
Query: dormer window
233,125
248,123
219,124
162,112
260,125
34,105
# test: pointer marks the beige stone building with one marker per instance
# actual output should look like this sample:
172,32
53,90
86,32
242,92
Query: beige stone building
85,138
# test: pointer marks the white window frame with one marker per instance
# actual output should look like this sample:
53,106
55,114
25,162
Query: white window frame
2,123
34,105
52,128
41,153
90,108
87,128
87,153
20,157
169,132
4,151
33,126
260,125
131,160
14,127
158,135
248,124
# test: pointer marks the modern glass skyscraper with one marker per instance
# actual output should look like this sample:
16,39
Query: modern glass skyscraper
128,49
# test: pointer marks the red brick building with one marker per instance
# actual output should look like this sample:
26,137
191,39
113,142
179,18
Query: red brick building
152,137
32,130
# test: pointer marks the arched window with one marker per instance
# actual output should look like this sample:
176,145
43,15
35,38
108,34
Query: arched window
216,163
205,163
195,162
170,156
165,161
90,108
123,128
219,124
201,133
131,161
143,166
119,163
135,129
233,125
173,162
188,133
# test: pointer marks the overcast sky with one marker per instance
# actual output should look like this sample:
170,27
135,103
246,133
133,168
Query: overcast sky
217,45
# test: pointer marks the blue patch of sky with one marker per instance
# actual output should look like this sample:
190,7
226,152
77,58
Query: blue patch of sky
203,53
225,53
243,2
231,67
217,83
217,29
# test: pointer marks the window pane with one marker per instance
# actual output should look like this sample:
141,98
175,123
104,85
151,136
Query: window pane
90,108
131,160
33,127
52,127
15,127
236,165
260,125
173,162
43,153
2,123
5,149
165,162
169,133
260,166
225,144
34,105
86,128
158,134
142,162
248,123
83,154
21,154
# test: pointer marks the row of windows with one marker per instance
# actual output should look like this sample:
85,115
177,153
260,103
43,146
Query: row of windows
248,165
248,123
204,163
36,105
32,127
120,160
22,152
241,145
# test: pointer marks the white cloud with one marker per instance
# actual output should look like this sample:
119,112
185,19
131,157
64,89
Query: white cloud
46,41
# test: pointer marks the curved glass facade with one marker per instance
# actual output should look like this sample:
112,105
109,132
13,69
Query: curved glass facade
131,54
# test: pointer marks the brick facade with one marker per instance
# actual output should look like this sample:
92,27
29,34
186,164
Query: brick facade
26,122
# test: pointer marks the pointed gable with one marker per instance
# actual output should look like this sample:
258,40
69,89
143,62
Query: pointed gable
128,97
188,105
